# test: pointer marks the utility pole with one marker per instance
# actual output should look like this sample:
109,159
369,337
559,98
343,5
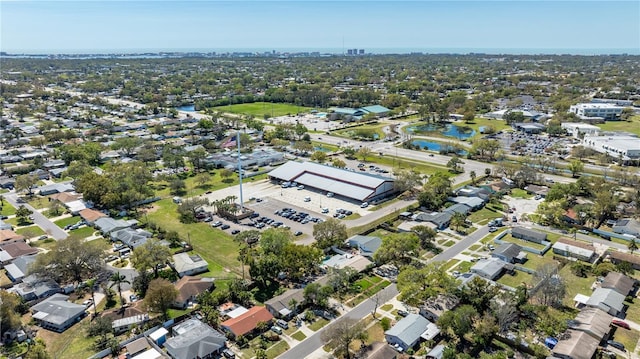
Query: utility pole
240,172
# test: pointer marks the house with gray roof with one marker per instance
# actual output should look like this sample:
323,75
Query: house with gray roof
458,208
593,321
433,308
194,339
19,267
121,325
574,249
33,288
627,226
490,268
475,203
189,264
528,234
406,333
619,282
55,188
106,225
132,238
367,245
437,352
575,345
57,314
282,306
440,219
608,300
508,253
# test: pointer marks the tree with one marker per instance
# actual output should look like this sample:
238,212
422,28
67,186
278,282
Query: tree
178,187
151,255
454,163
416,285
203,179
55,207
226,175
70,260
513,117
426,235
342,334
9,311
407,180
435,192
552,287
37,350
397,248
576,167
27,183
364,152
458,221
319,156
316,295
472,174
249,237
329,233
126,144
189,208
459,321
633,245
303,147
196,157
117,280
505,310
160,295
626,113
336,162
22,214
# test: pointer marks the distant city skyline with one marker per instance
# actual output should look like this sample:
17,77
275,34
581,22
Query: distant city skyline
530,27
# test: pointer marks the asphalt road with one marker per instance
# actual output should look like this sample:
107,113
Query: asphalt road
40,220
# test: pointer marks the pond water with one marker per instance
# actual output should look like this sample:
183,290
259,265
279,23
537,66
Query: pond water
321,149
434,146
187,108
449,130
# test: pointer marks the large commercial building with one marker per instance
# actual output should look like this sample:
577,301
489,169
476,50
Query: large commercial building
575,129
605,111
625,146
362,187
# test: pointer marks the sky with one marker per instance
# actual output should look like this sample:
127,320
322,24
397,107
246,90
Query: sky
61,26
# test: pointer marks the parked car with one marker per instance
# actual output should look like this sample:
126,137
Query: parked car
616,344
307,199
364,205
276,329
283,324
325,210
621,324
225,226
300,187
329,194
492,229
216,224
298,233
403,313
235,231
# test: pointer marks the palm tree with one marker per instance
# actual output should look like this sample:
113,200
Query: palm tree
118,279
633,246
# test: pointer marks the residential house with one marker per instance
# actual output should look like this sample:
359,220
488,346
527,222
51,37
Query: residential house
65,197
509,253
379,350
57,314
434,308
592,321
474,203
150,353
286,304
537,190
440,219
106,225
193,339
132,238
576,345
7,182
528,234
231,310
136,347
627,226
406,333
74,207
189,288
608,300
5,226
55,188
13,249
159,336
33,288
247,322
618,257
189,264
458,208
367,245
339,261
91,215
10,235
575,249
19,267
122,325
490,268
620,283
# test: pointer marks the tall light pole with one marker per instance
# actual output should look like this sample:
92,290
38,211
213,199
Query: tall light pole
240,171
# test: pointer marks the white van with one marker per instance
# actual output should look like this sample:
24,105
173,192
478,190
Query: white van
364,205
307,199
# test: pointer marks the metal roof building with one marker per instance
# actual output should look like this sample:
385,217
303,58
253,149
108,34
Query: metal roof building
341,182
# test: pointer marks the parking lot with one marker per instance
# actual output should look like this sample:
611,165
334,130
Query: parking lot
522,205
521,144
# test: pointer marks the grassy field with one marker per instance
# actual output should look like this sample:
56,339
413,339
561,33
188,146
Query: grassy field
277,349
72,343
362,131
520,193
321,322
161,188
515,280
30,231
522,243
483,216
259,109
633,125
66,221
82,233
575,285
7,209
402,163
38,202
215,246
627,337
498,125
298,336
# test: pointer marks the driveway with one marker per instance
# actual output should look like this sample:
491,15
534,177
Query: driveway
39,219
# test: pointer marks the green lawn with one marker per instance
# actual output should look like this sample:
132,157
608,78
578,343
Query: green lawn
387,307
498,125
259,109
449,243
321,322
483,216
325,146
298,336
7,209
362,131
575,284
174,313
520,193
633,125
522,243
450,264
30,231
515,280
475,247
277,349
72,343
627,337
534,261
82,233
161,188
38,202
44,244
66,221
403,163
633,311
464,267
215,246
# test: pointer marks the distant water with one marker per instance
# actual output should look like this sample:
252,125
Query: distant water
188,108
448,130
435,146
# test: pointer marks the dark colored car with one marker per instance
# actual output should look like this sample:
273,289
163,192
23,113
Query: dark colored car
403,313
235,231
616,344
225,226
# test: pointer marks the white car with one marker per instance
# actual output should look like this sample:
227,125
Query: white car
329,194
325,210
307,199
364,205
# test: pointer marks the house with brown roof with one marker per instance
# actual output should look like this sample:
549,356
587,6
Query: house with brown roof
13,249
9,235
189,288
575,249
593,321
617,257
576,345
246,323
90,215
65,197
619,282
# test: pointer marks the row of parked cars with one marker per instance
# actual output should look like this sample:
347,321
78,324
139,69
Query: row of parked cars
300,217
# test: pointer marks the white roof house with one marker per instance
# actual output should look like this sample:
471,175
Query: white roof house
186,264
615,145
